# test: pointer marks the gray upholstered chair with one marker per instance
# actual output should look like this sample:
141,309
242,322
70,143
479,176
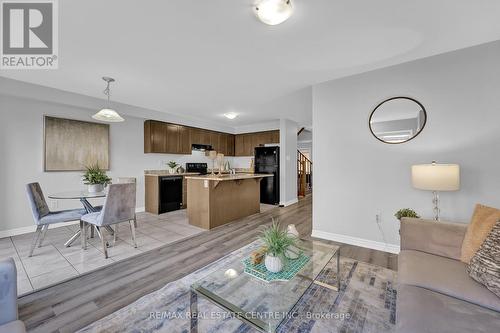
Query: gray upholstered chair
118,207
124,180
9,322
43,217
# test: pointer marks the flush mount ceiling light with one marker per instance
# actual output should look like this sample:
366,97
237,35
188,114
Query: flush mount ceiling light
273,12
108,114
230,115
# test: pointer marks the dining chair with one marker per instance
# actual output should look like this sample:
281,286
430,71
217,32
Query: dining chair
122,180
43,217
118,207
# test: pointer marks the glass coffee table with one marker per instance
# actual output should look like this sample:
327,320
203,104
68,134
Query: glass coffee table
263,305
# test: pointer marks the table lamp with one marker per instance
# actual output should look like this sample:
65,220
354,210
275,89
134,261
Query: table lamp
436,177
212,155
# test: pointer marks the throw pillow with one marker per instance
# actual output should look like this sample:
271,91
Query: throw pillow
483,219
484,266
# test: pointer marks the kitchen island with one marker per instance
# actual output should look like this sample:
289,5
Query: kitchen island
220,199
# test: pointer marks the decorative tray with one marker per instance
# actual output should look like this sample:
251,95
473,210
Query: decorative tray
292,267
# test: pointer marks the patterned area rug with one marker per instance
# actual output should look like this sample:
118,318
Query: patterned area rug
365,303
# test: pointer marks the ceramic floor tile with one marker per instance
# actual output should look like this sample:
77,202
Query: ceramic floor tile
23,286
44,259
52,277
92,264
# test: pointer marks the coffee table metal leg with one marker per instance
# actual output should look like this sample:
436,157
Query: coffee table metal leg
338,270
194,311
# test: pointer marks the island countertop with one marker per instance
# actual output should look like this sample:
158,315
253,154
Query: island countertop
238,176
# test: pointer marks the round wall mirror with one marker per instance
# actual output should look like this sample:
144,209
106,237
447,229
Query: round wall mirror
397,120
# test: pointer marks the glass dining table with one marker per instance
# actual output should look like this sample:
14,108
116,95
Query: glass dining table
83,196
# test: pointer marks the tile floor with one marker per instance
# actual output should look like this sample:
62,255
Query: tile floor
53,262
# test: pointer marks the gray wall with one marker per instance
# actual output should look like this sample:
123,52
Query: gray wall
358,177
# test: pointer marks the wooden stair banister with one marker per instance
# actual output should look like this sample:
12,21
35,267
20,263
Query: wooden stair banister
304,174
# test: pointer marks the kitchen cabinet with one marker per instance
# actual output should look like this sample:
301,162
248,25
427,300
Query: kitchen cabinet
214,140
223,144
244,144
230,144
184,140
172,138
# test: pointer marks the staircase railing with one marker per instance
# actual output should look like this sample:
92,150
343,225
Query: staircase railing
304,174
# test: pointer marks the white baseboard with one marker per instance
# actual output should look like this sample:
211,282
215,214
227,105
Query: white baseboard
290,202
32,228
392,248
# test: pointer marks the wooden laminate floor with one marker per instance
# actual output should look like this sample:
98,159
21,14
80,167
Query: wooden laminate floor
73,304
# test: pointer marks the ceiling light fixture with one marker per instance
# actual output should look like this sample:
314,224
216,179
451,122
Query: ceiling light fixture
273,12
108,114
230,115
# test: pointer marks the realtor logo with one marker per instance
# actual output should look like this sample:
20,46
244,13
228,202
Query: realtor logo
29,34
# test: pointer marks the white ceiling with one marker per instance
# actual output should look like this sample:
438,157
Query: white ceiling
206,58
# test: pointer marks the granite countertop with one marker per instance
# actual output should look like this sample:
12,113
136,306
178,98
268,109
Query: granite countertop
238,176
165,173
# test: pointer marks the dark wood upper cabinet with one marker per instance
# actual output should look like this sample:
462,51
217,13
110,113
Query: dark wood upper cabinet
244,144
184,140
172,138
167,138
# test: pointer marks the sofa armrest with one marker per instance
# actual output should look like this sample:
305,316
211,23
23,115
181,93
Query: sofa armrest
440,238
8,291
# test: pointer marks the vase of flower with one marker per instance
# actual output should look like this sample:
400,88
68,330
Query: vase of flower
277,242
273,264
95,179
172,167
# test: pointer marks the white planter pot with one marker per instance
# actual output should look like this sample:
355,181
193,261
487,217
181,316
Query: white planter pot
93,188
273,264
171,171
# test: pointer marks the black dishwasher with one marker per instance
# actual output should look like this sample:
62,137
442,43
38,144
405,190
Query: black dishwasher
170,193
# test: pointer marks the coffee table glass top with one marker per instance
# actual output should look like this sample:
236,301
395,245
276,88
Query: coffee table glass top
263,304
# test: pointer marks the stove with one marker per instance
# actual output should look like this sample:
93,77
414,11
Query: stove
201,168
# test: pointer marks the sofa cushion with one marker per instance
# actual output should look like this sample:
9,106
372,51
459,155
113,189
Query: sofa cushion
483,220
443,275
421,310
484,266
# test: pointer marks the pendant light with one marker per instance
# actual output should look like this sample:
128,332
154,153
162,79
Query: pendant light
273,12
108,114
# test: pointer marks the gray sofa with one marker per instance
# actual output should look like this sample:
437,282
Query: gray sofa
435,293
9,322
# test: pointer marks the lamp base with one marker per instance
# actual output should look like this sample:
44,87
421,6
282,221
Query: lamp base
435,202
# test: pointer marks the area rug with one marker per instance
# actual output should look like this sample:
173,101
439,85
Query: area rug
366,303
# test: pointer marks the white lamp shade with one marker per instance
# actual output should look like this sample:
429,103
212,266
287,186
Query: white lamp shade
108,115
274,12
436,177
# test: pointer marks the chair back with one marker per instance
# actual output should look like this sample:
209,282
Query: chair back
119,205
122,180
39,207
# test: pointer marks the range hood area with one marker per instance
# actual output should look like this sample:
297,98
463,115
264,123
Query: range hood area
200,147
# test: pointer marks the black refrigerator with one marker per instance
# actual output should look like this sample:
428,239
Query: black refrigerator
267,160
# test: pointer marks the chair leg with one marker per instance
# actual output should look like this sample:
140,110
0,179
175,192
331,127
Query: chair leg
83,234
44,232
132,229
135,221
115,233
104,245
35,239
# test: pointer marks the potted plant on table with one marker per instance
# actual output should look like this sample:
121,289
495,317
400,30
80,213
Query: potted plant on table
173,166
277,242
406,212
95,178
